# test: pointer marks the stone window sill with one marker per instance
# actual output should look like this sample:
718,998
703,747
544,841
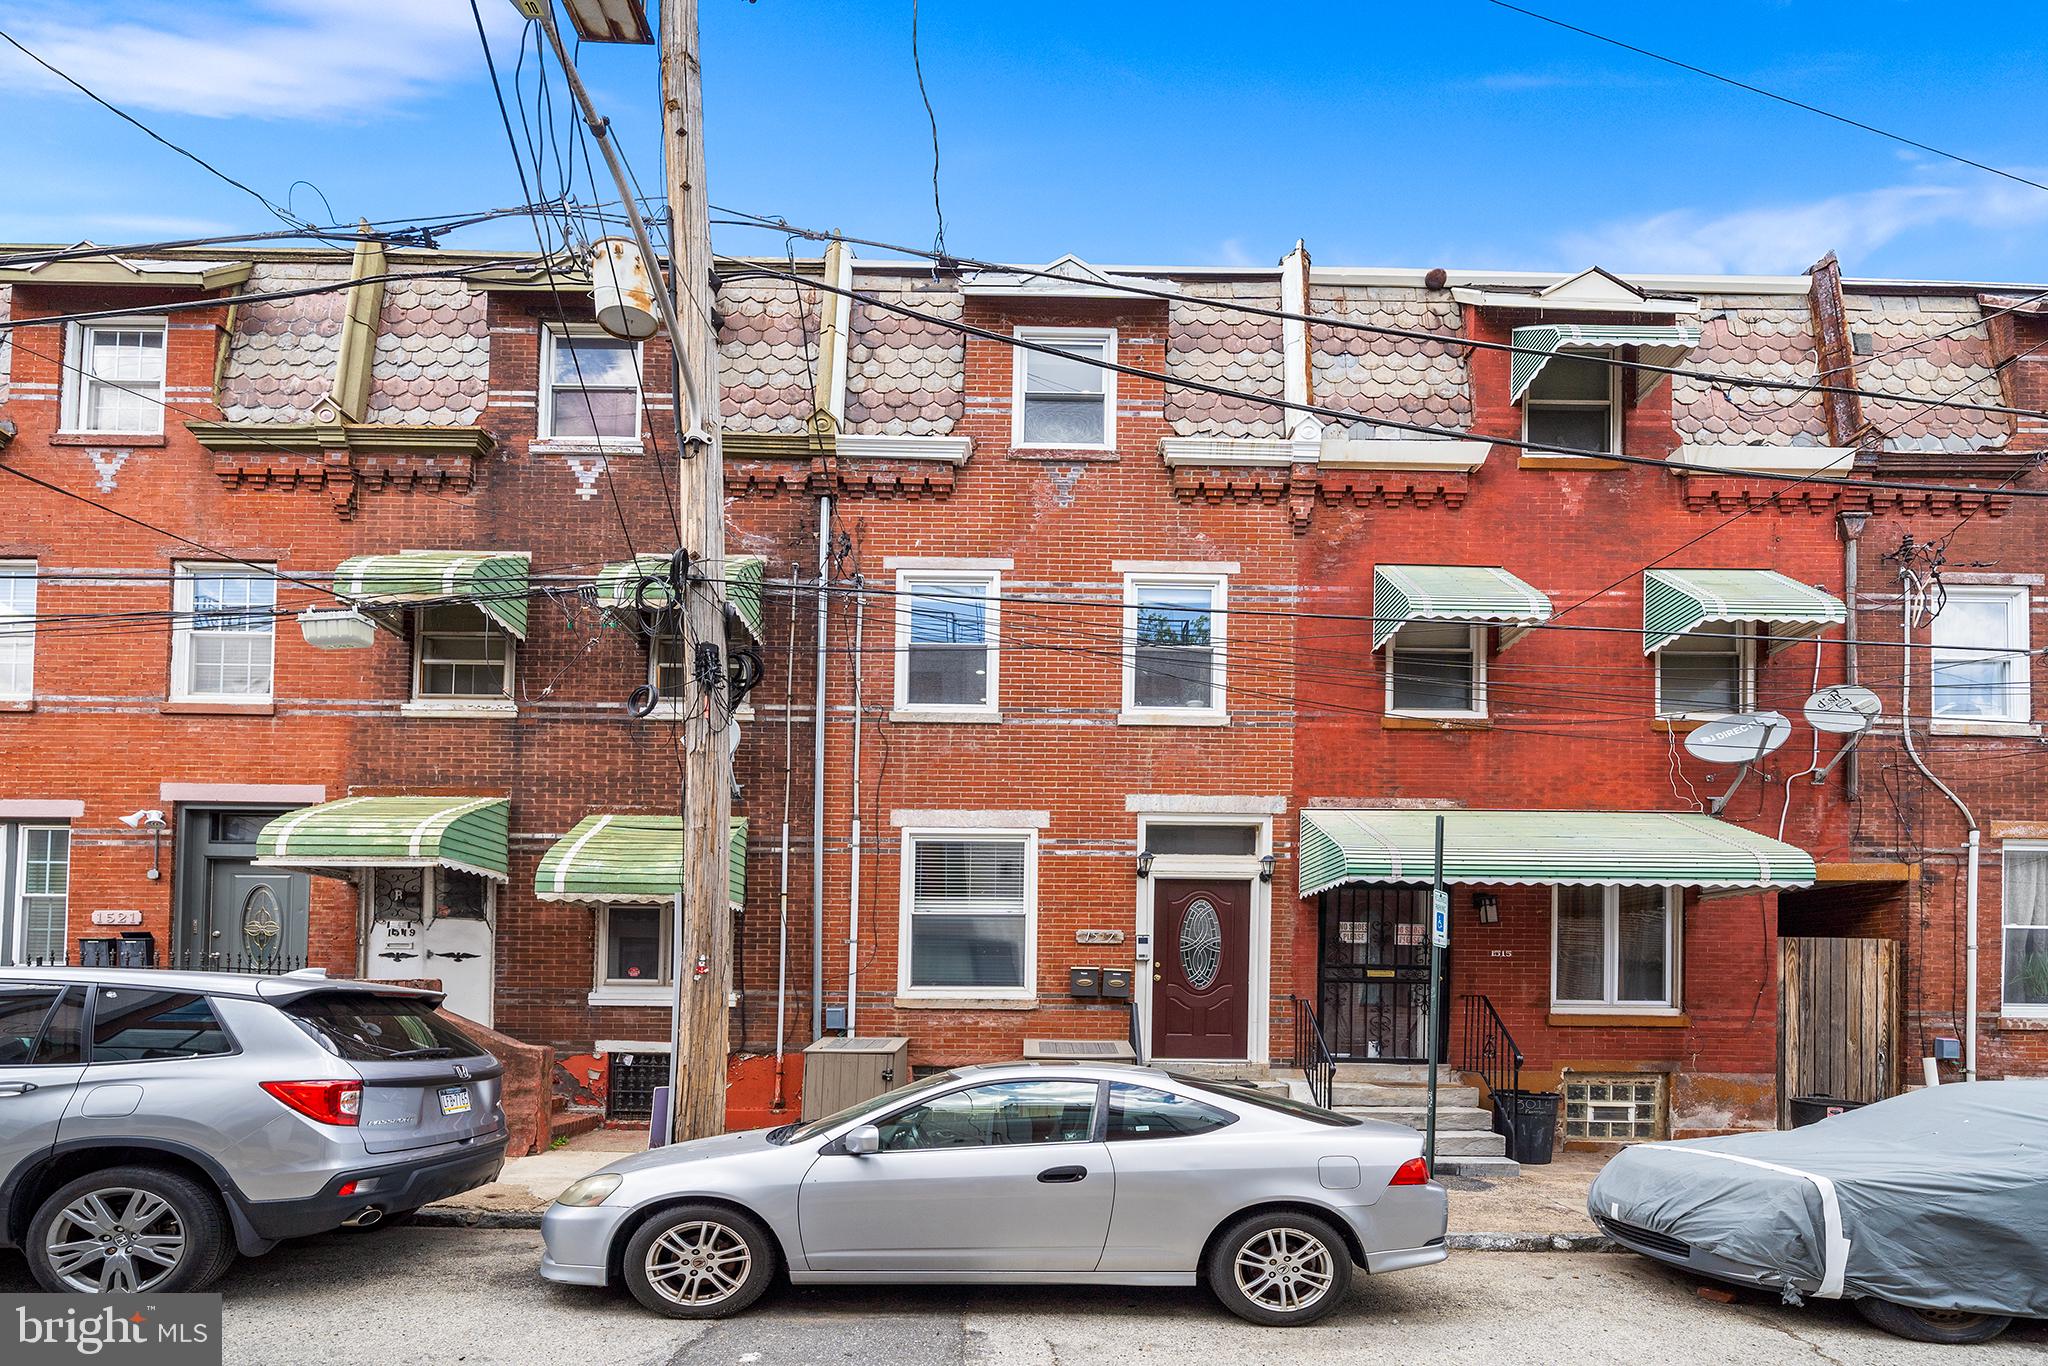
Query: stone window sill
921,716
187,707
454,710
17,704
965,1003
2011,729
2023,1023
1618,1019
1571,462
1395,722
124,440
1171,718
657,995
563,445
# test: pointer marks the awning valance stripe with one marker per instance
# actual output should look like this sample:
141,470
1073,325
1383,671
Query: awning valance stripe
619,586
1658,344
467,833
1677,602
1582,848
495,583
1402,593
630,858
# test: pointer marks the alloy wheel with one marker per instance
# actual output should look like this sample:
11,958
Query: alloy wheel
1284,1269
698,1263
117,1239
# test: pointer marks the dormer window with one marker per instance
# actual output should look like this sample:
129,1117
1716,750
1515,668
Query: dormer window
1066,401
115,381
1575,402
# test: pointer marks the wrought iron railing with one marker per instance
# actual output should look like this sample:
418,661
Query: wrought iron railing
1486,1047
1312,1053
248,964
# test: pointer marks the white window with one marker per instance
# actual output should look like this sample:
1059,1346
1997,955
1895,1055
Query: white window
2026,929
590,387
1175,630
17,629
1437,668
35,886
970,904
225,628
1707,674
1066,401
632,948
668,668
461,655
115,381
1614,948
1575,402
946,640
1981,668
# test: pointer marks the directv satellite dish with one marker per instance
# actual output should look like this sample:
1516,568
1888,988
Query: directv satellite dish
1739,739
1844,709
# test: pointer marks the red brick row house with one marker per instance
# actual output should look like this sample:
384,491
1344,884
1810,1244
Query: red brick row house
1152,617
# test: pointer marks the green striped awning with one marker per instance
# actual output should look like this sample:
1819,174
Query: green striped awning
496,583
631,859
618,586
1661,344
1579,848
467,833
1402,593
1677,602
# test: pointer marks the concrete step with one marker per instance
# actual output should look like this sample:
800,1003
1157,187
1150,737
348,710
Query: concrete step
1469,1165
1416,1116
1398,1073
1360,1093
568,1123
1457,1142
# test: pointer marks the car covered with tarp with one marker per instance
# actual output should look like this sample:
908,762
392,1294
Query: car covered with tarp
1930,1209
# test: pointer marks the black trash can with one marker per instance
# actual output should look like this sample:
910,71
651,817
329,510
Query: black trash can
1535,1137
1813,1109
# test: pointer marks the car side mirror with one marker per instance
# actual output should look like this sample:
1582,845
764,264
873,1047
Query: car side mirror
862,1142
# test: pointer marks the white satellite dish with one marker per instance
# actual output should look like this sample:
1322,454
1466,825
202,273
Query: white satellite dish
1739,739
1844,709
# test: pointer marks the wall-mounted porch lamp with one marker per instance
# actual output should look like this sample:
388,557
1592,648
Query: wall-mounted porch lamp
1144,863
1266,868
1488,906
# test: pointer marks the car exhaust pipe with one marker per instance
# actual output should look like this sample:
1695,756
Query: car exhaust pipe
364,1217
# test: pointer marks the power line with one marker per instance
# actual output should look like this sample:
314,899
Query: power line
1767,94
931,116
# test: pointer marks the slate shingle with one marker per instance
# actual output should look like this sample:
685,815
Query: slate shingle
1418,381
906,376
1223,346
1761,338
1931,347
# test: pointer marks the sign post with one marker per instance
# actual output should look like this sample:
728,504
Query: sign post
1439,940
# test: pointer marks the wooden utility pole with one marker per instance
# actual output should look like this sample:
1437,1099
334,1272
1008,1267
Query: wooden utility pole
703,955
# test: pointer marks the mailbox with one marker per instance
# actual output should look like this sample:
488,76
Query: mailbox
1085,982
1116,984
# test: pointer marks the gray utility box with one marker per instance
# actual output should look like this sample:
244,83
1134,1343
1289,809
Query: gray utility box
839,1072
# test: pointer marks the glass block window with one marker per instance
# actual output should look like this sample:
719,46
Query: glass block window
1614,1109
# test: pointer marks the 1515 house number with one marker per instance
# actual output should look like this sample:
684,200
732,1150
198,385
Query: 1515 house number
1503,953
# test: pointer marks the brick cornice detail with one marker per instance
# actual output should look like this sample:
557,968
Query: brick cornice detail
1734,493
343,459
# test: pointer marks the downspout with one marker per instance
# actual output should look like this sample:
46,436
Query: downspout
781,1099
1851,525
1910,591
818,778
853,886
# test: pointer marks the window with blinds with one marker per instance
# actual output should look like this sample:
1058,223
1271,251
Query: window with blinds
968,912
35,892
1614,947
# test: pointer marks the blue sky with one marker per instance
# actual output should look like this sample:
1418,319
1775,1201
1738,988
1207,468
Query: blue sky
1448,132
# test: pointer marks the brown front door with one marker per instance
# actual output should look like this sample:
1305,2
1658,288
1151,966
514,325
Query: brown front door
1201,969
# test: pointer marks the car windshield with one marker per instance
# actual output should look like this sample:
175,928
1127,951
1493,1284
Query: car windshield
364,1027
798,1133
1268,1100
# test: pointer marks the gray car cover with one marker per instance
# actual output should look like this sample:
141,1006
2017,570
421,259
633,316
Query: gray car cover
1937,1199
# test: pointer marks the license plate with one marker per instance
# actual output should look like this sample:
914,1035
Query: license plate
455,1100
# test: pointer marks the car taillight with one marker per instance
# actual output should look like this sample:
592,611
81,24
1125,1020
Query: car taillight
1413,1172
330,1102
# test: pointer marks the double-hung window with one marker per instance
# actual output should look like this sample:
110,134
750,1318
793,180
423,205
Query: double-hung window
970,901
224,633
632,950
1067,400
1614,948
1437,668
946,641
1174,646
17,630
1981,668
1575,403
35,887
1706,674
115,381
2025,918
461,656
590,388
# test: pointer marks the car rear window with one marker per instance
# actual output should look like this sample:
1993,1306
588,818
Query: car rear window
130,1025
1270,1100
1142,1112
364,1027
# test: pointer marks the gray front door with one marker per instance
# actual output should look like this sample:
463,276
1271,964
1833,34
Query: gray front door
236,914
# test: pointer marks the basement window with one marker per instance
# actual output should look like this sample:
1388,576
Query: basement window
1607,1109
115,381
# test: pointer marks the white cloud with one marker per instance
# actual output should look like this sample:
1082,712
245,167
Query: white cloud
284,59
1786,238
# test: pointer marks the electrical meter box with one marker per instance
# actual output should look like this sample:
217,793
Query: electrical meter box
839,1072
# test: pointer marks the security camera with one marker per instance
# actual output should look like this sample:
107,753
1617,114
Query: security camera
136,819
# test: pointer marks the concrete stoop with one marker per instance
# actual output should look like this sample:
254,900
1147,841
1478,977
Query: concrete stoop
1398,1093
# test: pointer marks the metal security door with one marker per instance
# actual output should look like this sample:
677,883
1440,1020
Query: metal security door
1374,977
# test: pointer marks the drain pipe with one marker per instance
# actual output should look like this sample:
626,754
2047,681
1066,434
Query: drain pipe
781,1098
853,887
818,778
1851,525
1912,594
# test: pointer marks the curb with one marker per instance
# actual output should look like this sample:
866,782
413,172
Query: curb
455,1216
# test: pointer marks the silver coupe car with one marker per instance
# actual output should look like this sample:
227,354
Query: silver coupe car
1104,1175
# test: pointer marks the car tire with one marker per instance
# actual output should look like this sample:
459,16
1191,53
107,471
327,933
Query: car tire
1280,1269
1955,1327
89,1235
699,1261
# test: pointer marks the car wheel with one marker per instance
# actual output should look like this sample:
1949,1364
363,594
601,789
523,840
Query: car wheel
129,1230
699,1262
1956,1327
1280,1269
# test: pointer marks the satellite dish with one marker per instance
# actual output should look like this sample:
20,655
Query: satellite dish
1739,739
1844,709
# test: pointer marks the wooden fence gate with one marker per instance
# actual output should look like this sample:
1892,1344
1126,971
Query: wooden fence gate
1838,1020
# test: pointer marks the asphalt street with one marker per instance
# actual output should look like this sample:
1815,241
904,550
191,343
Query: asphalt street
405,1295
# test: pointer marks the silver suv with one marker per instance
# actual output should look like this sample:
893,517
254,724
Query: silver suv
153,1124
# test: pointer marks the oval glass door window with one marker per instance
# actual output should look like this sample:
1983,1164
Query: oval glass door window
1201,944
261,922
